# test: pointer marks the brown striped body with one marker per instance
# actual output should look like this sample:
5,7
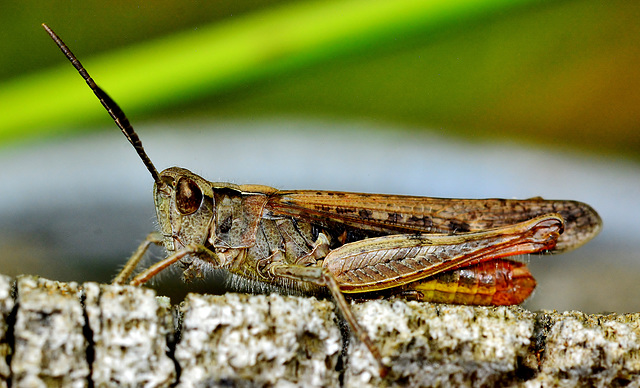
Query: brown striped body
249,229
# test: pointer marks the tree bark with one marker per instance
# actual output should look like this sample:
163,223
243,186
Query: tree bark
65,334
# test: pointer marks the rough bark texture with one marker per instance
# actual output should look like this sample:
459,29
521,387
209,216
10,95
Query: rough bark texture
6,306
64,334
129,332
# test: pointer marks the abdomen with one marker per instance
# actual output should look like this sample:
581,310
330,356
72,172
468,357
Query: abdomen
495,282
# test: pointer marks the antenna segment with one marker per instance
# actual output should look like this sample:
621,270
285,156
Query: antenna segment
114,110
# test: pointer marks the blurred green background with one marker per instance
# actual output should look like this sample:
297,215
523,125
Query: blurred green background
469,78
559,73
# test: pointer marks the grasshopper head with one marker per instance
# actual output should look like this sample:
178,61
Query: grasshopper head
184,207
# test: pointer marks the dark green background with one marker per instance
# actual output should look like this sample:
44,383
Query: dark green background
560,74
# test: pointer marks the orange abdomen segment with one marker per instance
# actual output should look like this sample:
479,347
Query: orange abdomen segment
495,282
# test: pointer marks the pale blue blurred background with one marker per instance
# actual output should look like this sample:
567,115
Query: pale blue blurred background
94,205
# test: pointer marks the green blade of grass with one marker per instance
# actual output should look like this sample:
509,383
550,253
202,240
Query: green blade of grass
220,56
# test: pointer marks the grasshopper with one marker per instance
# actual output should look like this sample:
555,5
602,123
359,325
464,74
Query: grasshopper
359,245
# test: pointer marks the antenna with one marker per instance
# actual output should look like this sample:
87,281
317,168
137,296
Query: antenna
114,110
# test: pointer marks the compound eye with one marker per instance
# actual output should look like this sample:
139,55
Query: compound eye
188,196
